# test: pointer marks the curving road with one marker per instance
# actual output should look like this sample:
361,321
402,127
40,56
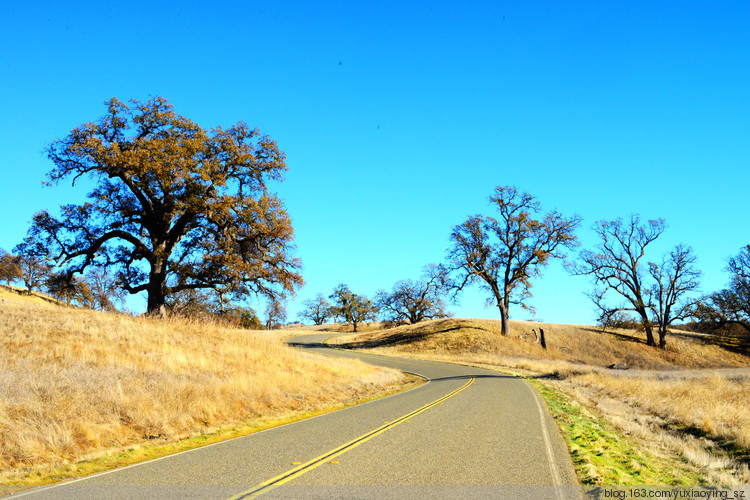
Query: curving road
468,433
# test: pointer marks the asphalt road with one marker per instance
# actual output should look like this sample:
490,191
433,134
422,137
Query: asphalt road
467,433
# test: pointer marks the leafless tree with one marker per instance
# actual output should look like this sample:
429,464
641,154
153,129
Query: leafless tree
275,314
618,265
317,310
504,254
414,301
106,291
730,307
673,282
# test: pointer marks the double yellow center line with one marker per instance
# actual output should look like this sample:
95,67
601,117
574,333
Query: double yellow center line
315,462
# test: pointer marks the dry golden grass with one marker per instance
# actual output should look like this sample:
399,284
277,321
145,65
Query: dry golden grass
681,401
572,343
701,418
713,404
74,381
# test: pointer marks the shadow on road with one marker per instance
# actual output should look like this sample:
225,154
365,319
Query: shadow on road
345,347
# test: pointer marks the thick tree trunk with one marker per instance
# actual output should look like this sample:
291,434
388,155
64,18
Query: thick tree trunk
504,323
662,337
649,334
156,302
157,291
503,307
647,327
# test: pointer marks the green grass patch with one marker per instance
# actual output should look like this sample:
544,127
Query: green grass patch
603,456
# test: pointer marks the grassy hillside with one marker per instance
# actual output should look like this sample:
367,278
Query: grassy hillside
685,406
578,344
75,383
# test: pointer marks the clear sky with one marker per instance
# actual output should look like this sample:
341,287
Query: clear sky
399,118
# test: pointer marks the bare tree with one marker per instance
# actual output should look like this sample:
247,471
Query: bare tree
504,254
33,270
275,314
317,310
412,302
191,303
731,306
673,281
106,291
617,265
353,308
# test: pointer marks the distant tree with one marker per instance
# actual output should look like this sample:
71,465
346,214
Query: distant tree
106,292
9,270
316,310
248,318
275,314
412,302
503,254
69,289
730,307
175,207
33,271
192,303
617,265
673,282
353,308
616,319
206,305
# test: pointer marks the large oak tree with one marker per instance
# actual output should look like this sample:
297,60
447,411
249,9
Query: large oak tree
502,254
175,207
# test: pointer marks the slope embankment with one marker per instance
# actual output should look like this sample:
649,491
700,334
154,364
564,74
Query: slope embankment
77,384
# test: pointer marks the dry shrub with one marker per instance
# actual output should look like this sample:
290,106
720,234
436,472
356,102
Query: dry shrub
74,381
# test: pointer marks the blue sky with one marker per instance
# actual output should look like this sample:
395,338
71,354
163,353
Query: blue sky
399,118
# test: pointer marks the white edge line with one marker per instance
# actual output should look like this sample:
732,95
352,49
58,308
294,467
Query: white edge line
41,489
547,443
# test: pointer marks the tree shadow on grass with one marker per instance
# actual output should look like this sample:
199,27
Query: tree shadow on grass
411,335
738,345
619,336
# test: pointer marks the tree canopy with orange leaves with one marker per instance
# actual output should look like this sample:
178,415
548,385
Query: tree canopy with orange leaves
175,207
